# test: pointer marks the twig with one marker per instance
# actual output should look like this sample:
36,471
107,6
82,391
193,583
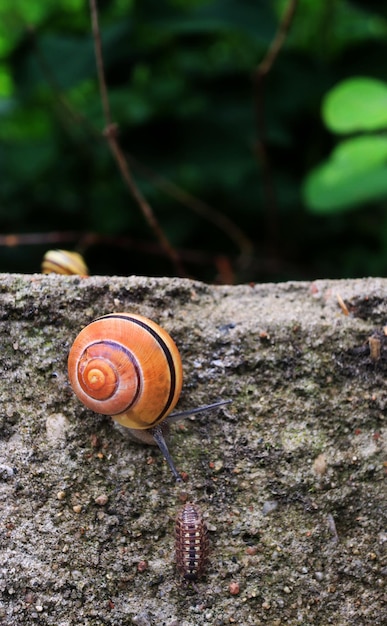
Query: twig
27,239
85,240
261,145
268,61
211,214
110,133
342,304
208,212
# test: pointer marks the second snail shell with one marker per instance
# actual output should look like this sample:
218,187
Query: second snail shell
64,262
126,366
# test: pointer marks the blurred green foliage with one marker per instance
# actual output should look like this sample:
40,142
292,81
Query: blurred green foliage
356,172
180,75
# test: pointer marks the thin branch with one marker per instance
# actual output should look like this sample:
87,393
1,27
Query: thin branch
260,74
27,239
275,47
171,189
211,214
110,133
99,60
83,241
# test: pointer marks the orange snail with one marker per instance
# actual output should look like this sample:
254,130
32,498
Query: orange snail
127,366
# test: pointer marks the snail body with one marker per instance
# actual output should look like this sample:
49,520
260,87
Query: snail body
127,366
64,262
191,542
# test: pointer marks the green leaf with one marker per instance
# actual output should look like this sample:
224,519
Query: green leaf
355,173
356,104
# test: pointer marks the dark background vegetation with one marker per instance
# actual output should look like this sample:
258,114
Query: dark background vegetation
193,119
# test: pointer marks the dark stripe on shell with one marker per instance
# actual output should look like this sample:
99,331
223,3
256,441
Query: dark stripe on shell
167,354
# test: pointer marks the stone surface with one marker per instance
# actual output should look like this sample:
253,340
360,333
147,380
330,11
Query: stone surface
290,477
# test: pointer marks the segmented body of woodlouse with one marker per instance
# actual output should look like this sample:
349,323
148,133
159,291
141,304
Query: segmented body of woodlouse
191,542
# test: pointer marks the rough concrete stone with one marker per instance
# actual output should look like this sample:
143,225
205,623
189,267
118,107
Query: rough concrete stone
290,476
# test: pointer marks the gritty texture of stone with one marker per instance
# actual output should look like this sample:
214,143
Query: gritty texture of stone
306,430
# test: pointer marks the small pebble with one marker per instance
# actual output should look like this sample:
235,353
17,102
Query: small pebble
216,466
142,566
101,500
142,619
77,508
269,506
61,495
56,427
234,588
6,472
320,464
95,441
29,598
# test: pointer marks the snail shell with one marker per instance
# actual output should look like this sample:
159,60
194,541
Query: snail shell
191,542
64,262
126,366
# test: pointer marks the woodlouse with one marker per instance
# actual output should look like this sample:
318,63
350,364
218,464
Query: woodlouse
192,544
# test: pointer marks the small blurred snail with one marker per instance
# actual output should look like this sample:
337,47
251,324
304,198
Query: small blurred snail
64,262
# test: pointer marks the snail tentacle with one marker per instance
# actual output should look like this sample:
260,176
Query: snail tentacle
159,438
175,417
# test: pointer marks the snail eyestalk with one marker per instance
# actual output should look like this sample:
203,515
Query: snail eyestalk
159,438
175,417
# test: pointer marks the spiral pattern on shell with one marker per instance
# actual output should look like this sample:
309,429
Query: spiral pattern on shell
64,262
126,366
191,542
